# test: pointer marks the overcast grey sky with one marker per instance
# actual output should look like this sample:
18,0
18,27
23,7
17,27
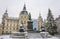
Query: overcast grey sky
35,7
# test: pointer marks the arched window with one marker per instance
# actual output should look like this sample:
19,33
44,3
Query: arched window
25,16
24,22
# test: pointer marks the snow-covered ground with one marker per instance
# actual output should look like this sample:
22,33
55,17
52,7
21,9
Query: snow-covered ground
8,37
5,37
45,38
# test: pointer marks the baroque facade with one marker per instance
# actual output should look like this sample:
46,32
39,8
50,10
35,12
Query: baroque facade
1,28
40,22
11,24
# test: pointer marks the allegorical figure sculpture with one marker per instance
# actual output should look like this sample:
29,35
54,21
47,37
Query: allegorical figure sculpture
21,28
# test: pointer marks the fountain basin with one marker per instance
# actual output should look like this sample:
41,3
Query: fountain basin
18,35
45,35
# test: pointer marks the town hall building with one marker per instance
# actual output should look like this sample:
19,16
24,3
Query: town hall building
11,24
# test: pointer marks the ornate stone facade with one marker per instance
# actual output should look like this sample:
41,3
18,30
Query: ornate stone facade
1,28
40,22
11,24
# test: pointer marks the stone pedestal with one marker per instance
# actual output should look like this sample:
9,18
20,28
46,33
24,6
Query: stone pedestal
30,25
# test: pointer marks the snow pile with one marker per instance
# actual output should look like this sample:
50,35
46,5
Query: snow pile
5,37
8,37
54,38
45,38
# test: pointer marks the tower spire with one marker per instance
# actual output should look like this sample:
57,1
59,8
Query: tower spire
6,11
24,8
39,15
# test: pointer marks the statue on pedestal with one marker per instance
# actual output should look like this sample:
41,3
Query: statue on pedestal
21,28
20,34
